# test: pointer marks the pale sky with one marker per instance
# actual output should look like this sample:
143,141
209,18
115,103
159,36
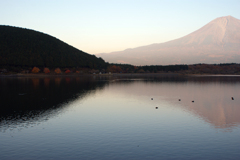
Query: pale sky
103,26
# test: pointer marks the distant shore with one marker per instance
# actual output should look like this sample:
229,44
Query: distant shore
113,74
80,75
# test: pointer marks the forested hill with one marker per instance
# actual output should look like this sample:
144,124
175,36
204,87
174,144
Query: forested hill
29,48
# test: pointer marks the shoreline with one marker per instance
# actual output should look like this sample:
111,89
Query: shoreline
82,75
113,74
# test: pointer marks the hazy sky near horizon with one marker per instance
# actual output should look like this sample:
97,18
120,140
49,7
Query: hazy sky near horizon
102,26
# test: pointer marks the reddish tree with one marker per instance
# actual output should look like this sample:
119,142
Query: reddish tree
114,69
58,70
46,70
35,70
68,71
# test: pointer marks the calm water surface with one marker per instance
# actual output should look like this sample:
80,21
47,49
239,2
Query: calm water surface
115,118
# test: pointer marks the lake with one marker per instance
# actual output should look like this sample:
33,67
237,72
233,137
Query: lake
120,117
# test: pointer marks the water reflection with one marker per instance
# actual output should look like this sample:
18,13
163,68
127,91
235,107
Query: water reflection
38,99
27,100
114,117
207,97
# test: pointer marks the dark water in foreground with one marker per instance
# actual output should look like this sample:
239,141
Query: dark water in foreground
115,118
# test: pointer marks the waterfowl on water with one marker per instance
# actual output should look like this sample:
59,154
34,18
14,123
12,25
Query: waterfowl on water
179,99
156,107
232,98
151,98
192,101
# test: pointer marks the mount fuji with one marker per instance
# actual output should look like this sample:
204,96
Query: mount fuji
216,42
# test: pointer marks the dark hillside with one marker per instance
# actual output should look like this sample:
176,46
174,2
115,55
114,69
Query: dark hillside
28,48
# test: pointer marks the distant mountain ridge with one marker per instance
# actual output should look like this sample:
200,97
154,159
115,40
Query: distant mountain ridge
29,48
216,42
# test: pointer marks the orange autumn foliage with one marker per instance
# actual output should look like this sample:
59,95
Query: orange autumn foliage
35,70
46,70
58,70
114,69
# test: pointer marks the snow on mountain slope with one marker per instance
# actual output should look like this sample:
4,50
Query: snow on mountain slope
216,42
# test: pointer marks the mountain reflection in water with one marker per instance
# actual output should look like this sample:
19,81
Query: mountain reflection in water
211,96
115,117
35,99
